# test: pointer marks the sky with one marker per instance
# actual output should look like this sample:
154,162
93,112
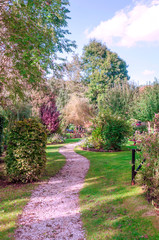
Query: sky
128,27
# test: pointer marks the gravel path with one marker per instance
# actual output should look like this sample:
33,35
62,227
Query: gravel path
53,210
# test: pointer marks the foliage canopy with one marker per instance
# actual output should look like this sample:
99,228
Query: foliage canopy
146,104
102,69
32,33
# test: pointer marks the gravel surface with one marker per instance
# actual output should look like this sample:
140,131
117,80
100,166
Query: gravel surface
53,211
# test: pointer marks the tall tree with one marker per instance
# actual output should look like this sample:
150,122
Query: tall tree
67,82
32,34
102,69
118,99
59,89
146,103
73,74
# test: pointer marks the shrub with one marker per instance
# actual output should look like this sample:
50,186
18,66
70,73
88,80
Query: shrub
156,122
26,157
77,111
56,138
149,173
110,131
49,115
140,127
88,143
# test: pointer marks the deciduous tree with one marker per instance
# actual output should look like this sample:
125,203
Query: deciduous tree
32,33
102,69
118,99
146,103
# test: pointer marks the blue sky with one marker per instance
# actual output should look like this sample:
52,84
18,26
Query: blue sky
129,28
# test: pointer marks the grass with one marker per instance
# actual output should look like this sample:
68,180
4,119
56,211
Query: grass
72,140
13,197
111,207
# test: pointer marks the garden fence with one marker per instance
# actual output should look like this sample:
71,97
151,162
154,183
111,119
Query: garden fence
134,172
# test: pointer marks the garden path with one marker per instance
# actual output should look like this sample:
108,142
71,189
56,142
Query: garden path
53,211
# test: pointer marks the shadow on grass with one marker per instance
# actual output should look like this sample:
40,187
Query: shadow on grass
111,207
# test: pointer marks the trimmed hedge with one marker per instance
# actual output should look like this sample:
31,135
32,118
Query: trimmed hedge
26,156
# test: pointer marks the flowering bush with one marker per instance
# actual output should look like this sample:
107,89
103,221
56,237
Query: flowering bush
88,143
139,126
149,173
156,123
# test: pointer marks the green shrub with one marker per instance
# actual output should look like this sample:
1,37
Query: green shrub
56,138
148,176
110,131
26,157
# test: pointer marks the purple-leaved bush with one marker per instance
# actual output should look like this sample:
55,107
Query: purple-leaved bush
49,115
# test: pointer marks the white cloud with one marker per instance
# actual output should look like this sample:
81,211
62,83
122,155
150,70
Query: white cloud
130,26
155,2
148,72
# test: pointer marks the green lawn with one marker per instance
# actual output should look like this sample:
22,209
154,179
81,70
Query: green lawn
14,197
111,207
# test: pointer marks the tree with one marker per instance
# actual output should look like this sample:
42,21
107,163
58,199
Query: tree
62,99
49,115
77,111
73,74
146,103
59,89
118,99
68,82
32,33
102,69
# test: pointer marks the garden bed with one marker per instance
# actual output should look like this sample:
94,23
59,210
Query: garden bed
97,150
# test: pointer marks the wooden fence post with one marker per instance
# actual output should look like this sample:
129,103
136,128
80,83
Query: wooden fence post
133,167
